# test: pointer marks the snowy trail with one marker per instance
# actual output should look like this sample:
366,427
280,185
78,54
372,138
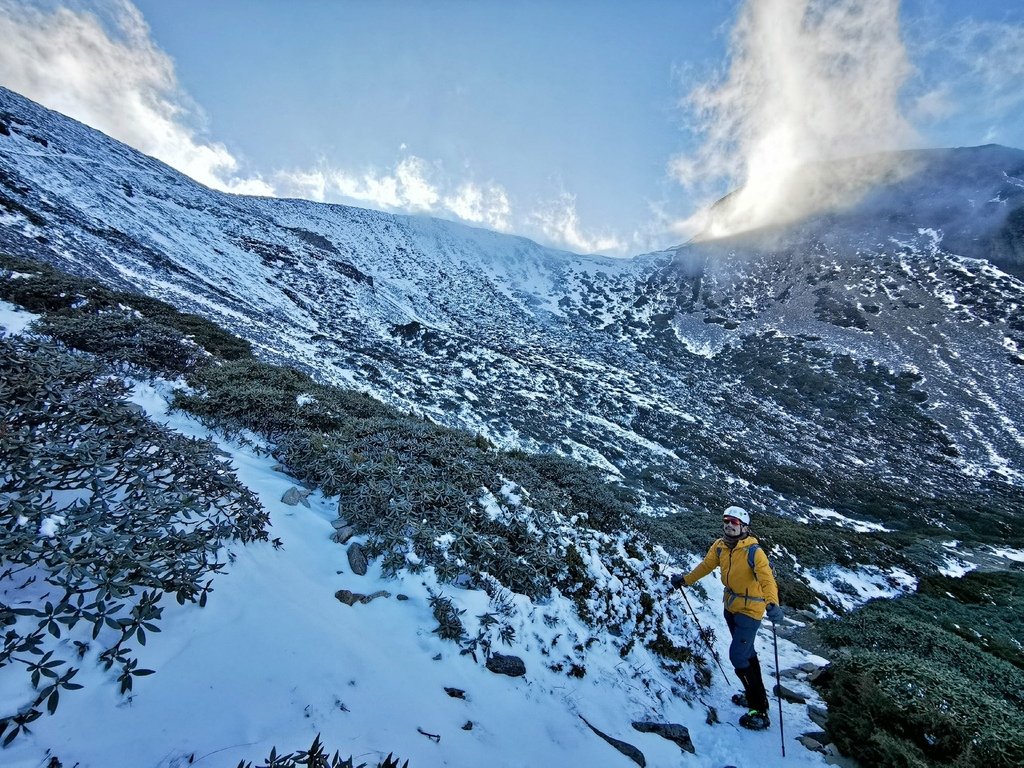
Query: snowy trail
274,659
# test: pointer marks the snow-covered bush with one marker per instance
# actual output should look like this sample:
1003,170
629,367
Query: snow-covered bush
931,679
66,300
317,757
271,399
102,514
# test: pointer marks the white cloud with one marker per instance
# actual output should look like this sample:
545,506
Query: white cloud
809,81
560,223
487,204
115,80
412,185
102,67
977,68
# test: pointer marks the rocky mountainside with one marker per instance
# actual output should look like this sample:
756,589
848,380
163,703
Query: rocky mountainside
857,372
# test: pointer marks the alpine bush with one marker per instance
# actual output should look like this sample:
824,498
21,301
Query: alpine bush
317,757
103,513
120,337
43,289
933,678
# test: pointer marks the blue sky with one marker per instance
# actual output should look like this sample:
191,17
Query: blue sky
585,124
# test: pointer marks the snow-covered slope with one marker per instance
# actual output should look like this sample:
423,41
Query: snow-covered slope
275,659
855,363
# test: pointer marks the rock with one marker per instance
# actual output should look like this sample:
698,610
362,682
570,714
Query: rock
455,693
818,715
401,597
357,560
808,666
821,675
671,731
625,748
468,726
348,597
793,673
294,496
351,598
512,666
437,657
786,694
838,760
811,743
343,534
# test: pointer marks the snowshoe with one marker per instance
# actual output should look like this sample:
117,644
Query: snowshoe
740,700
755,721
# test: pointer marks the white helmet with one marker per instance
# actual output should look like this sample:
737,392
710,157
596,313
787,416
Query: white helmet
739,513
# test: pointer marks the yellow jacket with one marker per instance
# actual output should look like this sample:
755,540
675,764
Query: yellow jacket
747,591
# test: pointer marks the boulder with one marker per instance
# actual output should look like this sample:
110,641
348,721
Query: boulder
294,496
351,598
818,715
357,560
624,747
671,731
811,743
512,666
788,695
343,534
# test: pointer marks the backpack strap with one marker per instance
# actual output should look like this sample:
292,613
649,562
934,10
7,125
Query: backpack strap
751,551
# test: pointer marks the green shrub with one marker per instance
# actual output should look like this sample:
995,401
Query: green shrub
119,337
931,677
106,512
888,709
272,399
317,757
42,289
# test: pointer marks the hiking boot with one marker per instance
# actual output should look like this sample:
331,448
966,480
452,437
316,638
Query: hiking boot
755,721
740,700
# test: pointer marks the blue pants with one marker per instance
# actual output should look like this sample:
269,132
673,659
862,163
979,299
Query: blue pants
744,659
743,630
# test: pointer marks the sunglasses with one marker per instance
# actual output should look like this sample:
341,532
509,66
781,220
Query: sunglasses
731,521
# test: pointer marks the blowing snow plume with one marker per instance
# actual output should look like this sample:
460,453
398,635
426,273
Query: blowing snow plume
798,121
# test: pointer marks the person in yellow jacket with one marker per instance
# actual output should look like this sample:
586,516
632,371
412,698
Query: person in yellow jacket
750,594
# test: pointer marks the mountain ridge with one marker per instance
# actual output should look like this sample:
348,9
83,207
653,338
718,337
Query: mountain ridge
695,373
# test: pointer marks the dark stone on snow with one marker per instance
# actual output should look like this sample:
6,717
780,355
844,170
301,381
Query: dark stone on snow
468,726
401,597
822,677
625,748
351,598
512,666
455,693
294,496
787,695
357,560
818,715
671,731
343,534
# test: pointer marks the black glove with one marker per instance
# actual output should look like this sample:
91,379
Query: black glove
677,580
774,613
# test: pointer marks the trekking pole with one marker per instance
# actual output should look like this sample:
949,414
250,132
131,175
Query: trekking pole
778,689
700,629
